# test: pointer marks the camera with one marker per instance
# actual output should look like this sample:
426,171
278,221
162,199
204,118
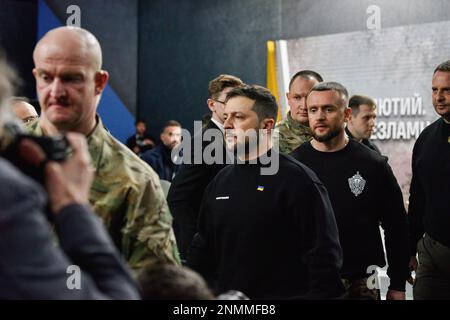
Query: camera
56,148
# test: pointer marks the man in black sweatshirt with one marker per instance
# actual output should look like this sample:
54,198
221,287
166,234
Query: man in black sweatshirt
429,206
363,192
266,226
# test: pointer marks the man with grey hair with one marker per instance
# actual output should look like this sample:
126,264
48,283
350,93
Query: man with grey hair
429,211
363,192
23,110
31,266
294,130
7,79
126,193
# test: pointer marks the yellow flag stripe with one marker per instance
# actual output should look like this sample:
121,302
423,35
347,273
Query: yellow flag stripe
271,81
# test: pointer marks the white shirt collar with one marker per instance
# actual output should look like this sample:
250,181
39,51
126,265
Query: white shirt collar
218,124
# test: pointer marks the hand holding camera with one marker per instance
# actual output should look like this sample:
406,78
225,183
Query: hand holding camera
67,180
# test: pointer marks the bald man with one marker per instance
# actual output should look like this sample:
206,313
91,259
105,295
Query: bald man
126,193
294,130
23,110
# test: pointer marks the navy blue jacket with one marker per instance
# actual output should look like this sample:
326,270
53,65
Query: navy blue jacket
159,159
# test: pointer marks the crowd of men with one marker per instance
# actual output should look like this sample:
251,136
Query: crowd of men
132,219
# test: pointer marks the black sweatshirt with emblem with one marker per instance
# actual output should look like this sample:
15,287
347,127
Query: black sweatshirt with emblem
364,194
268,236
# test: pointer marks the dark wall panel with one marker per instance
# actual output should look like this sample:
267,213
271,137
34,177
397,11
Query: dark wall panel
17,37
114,23
162,53
184,44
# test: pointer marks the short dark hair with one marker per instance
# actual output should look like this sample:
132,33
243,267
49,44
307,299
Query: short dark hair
334,86
265,104
357,100
169,282
306,74
221,82
444,66
140,121
171,123
206,118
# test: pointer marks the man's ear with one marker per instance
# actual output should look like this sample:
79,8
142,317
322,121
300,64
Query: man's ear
287,95
268,123
101,79
347,114
210,104
35,73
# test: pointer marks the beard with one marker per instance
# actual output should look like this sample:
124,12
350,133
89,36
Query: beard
249,145
367,135
328,136
245,146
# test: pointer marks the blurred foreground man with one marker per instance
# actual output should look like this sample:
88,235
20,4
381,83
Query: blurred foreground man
31,265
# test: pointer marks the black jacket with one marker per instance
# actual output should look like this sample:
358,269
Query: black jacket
429,206
365,142
159,159
186,192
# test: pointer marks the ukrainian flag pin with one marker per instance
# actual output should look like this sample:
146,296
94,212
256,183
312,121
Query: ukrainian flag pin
260,188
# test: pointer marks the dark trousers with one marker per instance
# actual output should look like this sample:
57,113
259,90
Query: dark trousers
185,227
433,271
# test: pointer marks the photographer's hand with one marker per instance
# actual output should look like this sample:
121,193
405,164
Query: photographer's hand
67,182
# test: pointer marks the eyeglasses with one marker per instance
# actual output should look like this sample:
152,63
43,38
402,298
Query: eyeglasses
222,102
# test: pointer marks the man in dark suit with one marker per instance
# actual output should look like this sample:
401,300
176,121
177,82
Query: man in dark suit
85,265
186,191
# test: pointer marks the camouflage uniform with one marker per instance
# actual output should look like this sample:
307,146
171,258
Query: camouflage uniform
291,134
357,289
127,195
